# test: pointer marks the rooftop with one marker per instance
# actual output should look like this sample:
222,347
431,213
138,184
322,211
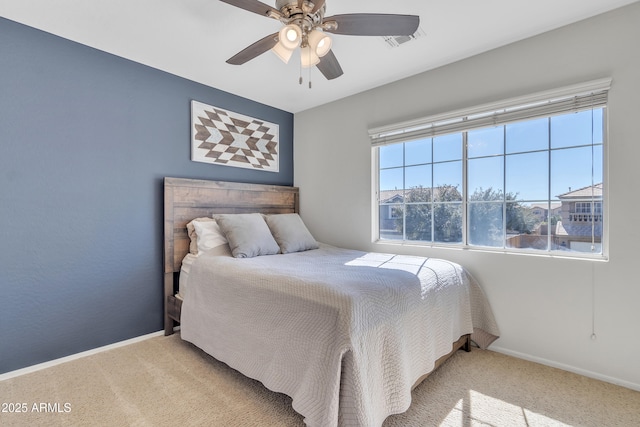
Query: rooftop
590,191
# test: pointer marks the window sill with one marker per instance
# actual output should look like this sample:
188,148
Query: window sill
482,249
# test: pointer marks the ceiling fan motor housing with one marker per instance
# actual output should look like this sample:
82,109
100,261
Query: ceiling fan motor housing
292,14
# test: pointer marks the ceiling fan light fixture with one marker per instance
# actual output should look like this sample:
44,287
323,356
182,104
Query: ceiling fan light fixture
290,36
304,25
282,52
308,57
319,42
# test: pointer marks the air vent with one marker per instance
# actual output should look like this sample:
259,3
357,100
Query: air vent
396,41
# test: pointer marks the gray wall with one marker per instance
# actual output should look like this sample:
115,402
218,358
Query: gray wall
85,141
545,306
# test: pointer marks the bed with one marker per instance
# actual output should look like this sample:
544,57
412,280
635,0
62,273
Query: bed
346,334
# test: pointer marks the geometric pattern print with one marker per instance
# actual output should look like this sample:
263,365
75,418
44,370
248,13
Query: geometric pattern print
226,138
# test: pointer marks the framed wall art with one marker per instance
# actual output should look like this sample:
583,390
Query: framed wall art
227,138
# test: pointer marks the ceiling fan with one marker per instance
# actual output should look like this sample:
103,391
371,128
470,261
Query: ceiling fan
305,26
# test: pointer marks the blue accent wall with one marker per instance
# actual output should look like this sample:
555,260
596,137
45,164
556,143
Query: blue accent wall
86,138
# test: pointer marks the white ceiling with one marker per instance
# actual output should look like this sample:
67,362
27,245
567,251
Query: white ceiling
194,38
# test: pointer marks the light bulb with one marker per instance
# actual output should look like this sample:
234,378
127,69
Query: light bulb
290,36
319,42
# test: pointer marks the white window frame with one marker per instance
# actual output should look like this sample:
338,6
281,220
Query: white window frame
579,97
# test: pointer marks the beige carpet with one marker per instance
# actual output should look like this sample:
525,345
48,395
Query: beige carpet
164,381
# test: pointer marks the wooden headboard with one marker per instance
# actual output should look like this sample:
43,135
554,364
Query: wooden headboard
186,199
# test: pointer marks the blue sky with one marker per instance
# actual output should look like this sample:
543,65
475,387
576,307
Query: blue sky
514,156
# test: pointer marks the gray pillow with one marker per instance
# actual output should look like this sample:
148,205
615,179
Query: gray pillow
248,235
291,233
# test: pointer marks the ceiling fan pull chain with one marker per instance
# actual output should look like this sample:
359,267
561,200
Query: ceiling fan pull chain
300,64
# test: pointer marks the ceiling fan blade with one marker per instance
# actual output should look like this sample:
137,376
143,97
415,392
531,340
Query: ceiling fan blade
317,5
329,66
256,49
373,24
255,6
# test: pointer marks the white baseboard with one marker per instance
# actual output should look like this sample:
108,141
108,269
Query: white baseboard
569,368
40,366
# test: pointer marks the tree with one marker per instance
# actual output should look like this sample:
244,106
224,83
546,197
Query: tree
424,206
448,214
486,210
442,207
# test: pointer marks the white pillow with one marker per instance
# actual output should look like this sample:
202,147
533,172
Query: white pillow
208,235
291,233
248,235
193,237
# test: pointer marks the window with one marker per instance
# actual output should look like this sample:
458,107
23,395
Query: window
527,176
588,207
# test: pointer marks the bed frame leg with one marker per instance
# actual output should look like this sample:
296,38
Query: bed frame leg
467,344
168,326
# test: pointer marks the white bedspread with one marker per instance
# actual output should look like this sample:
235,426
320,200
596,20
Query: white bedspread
344,333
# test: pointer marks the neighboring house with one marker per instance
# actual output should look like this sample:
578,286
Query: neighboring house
542,212
389,211
581,219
